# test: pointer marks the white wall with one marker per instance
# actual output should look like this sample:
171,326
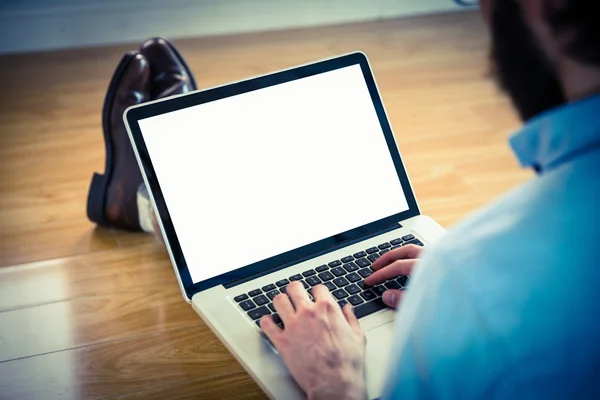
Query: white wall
30,25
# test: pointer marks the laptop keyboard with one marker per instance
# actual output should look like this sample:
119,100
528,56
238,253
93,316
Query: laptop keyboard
344,278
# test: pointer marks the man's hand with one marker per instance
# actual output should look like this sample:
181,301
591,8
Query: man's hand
393,264
322,344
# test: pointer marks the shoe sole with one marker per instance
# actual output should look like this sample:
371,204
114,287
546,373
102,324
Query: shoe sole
96,202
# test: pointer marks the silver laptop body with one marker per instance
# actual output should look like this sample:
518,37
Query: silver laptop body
293,175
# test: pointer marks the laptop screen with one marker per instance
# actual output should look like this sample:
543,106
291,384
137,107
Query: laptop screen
258,174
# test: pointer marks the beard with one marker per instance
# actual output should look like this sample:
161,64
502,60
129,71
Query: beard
520,66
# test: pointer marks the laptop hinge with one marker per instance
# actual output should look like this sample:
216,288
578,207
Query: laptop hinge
329,250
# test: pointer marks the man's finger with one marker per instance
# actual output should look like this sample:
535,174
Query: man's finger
270,328
348,311
284,307
298,295
394,270
392,297
403,253
320,293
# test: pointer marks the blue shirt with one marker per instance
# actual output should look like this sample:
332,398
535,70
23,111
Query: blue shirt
507,304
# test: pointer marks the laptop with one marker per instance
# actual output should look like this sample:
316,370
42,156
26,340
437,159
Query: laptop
289,176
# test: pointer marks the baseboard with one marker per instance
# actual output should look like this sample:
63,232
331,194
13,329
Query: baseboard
35,25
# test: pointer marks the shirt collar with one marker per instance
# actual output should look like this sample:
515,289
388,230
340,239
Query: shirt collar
552,138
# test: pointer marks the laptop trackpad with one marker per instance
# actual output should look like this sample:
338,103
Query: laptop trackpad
380,342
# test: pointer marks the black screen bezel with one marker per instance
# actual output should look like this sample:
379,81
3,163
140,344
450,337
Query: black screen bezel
137,113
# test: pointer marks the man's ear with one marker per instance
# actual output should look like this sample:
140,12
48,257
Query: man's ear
532,10
535,16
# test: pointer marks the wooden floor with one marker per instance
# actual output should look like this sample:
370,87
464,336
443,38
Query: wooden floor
89,313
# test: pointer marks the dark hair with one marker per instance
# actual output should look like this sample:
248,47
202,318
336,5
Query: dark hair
577,24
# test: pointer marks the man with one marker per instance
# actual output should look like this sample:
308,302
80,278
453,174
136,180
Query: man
506,305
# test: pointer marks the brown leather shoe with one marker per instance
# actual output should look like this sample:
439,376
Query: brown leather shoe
112,197
170,74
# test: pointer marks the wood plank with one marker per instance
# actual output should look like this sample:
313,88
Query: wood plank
44,241
163,358
237,386
136,268
92,320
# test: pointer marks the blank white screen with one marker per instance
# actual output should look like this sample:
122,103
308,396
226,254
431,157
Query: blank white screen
255,175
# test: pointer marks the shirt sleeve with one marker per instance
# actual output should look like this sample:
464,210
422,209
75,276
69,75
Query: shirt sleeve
443,345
